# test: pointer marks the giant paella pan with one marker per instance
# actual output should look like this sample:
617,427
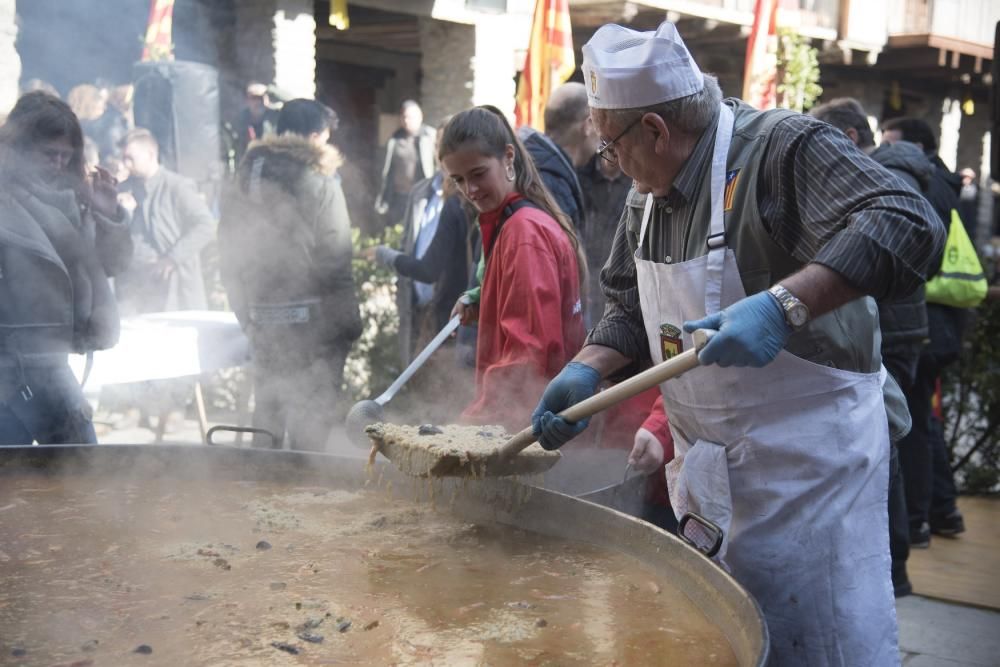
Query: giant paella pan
192,555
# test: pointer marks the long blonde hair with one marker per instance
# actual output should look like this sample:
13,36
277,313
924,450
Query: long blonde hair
486,128
86,101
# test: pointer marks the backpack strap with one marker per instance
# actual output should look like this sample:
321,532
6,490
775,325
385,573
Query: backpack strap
508,211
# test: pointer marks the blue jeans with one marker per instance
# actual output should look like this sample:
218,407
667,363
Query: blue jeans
56,412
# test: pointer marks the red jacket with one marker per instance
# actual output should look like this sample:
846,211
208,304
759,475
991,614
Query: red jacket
530,315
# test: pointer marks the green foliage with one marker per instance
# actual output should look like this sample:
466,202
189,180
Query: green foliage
971,405
798,71
373,362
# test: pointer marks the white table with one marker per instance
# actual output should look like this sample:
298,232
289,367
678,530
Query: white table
161,346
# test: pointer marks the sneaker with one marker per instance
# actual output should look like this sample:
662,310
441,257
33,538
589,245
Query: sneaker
920,537
948,525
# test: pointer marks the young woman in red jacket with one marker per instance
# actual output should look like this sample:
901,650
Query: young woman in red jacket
529,305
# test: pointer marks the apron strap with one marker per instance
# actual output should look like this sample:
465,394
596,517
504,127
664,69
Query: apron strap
717,230
645,221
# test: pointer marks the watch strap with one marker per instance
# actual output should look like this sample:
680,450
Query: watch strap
792,306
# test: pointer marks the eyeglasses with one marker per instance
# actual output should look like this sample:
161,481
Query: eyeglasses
607,148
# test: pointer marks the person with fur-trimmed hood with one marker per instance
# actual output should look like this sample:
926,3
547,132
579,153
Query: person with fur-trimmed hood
285,246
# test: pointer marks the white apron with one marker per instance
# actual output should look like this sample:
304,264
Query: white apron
791,460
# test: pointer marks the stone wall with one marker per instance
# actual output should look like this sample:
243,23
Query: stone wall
253,55
972,152
10,61
447,68
295,48
276,43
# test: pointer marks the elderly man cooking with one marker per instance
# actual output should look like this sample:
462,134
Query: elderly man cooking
781,436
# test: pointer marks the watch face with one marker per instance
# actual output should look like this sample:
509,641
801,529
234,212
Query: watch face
798,315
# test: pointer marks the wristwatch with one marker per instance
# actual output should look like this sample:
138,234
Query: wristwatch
796,312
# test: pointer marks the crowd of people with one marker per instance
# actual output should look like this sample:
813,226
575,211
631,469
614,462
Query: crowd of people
649,207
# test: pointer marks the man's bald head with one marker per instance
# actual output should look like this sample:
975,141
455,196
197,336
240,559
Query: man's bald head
567,121
566,107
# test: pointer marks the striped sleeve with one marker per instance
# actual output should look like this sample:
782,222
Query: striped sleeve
622,327
823,200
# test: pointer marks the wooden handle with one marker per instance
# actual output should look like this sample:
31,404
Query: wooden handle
622,391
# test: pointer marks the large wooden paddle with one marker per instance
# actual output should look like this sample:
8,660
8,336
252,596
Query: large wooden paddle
450,453
651,377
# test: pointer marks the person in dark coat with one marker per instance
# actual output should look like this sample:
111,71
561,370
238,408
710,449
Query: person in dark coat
257,118
602,187
433,268
904,321
171,225
109,129
605,188
930,486
968,202
62,235
944,188
285,246
433,264
557,172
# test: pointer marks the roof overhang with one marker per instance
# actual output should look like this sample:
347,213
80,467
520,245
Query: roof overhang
960,47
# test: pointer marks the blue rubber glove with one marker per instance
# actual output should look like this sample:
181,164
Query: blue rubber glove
574,383
751,332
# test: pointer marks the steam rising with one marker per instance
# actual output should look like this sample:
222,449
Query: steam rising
66,44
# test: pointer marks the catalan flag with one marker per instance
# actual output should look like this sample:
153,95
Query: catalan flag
159,43
549,61
760,72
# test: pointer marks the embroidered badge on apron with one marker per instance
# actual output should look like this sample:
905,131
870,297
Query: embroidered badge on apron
670,341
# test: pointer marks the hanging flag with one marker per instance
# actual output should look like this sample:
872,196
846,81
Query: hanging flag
760,72
338,15
549,61
159,43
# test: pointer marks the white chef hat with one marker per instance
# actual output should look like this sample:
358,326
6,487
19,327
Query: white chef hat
628,69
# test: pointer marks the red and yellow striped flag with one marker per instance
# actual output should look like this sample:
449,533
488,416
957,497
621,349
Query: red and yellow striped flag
159,33
760,72
549,61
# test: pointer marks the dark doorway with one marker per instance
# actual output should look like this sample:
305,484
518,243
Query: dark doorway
351,90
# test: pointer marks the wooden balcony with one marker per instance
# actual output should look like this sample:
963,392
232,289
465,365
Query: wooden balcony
963,27
817,18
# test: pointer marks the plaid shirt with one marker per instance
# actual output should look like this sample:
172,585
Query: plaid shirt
820,199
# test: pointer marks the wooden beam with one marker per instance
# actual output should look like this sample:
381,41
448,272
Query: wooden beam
366,56
403,36
984,51
414,7
909,59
